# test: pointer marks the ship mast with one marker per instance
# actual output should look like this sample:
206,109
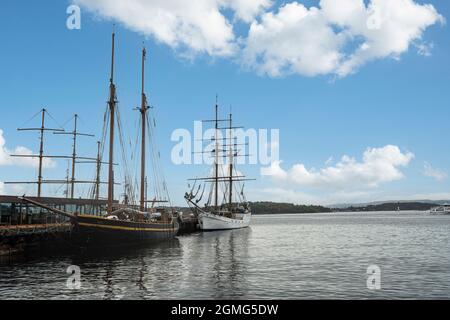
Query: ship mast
68,180
112,110
230,149
143,111
41,155
216,178
74,135
97,171
230,200
74,155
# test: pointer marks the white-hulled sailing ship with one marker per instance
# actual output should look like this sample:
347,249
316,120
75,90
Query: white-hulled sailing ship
131,221
226,207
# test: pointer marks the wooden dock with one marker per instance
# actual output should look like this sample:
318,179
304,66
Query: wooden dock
16,238
188,225
33,229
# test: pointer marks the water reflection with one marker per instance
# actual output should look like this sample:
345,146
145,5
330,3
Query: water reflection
229,271
303,256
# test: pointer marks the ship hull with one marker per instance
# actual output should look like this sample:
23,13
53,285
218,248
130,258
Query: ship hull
98,232
440,213
441,210
211,222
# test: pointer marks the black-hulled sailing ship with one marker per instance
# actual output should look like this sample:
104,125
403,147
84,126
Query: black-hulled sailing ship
122,223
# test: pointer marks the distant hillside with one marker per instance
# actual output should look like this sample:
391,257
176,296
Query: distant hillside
274,207
279,208
390,206
366,204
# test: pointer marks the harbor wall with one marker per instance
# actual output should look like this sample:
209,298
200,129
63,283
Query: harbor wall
15,239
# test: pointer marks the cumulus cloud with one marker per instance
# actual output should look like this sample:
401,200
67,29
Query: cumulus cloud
198,25
283,194
378,165
279,194
332,38
7,160
434,173
246,10
293,40
338,37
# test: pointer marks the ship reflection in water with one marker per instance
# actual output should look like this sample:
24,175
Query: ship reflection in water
287,257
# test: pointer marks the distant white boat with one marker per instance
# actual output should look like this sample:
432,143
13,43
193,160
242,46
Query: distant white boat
444,209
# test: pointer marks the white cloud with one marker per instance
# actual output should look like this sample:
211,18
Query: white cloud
7,160
197,25
247,10
13,189
279,194
431,172
379,165
333,38
283,194
424,196
293,40
424,49
338,37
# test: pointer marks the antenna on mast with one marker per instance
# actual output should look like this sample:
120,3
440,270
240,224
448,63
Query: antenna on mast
111,80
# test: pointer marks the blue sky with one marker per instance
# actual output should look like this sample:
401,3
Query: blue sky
399,100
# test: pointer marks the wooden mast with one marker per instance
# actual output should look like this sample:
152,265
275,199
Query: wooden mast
215,178
216,189
74,135
68,180
97,177
41,154
74,155
112,111
230,200
143,111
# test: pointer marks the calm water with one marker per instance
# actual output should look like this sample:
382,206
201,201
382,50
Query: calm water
287,257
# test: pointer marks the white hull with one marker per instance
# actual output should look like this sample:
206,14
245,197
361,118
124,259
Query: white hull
209,221
440,210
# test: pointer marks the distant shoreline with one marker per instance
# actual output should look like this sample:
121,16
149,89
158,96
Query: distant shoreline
265,208
333,212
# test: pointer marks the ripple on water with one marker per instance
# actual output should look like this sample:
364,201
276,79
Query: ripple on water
286,257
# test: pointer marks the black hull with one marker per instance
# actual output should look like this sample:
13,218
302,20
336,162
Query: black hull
90,231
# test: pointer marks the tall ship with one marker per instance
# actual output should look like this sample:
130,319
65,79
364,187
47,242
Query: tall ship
135,219
226,207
